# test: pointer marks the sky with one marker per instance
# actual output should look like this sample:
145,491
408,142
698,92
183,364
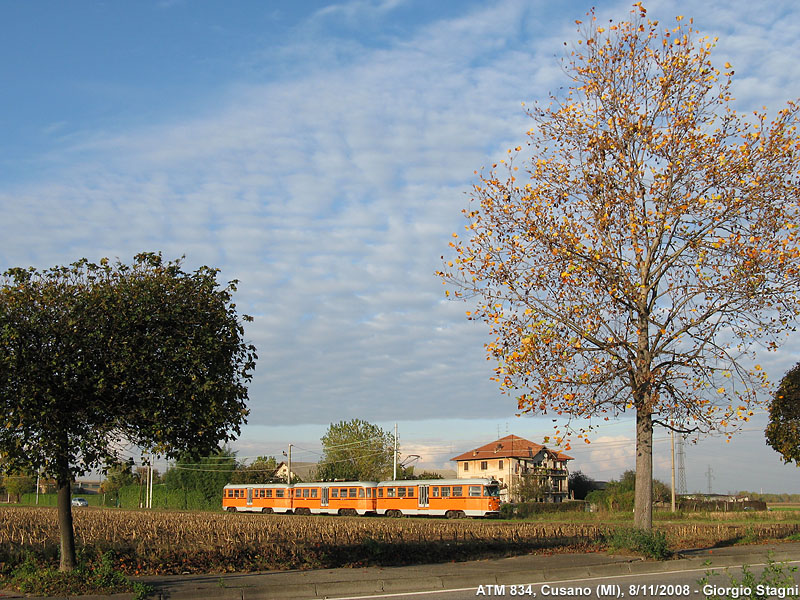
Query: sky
320,153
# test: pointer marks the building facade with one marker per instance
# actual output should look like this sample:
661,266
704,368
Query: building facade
522,467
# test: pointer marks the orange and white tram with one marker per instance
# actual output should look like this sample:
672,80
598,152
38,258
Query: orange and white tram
451,498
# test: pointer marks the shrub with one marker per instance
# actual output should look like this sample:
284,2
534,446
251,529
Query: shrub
651,544
777,576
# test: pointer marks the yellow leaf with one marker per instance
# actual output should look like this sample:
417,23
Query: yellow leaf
721,390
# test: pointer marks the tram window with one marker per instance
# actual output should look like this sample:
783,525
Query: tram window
390,492
305,492
369,492
411,492
279,493
353,492
380,492
475,491
334,492
446,492
360,492
401,492
342,492
314,493
492,491
435,492
269,493
457,490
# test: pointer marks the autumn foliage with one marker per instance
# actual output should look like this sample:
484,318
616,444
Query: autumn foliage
644,243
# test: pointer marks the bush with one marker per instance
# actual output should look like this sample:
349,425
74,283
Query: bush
525,510
778,576
34,576
651,544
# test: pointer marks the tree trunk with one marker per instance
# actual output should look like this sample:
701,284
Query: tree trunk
643,498
65,523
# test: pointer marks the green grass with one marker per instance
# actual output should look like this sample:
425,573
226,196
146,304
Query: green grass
36,577
650,544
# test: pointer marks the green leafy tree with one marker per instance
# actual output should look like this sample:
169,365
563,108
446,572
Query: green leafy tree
783,430
91,354
531,488
118,476
207,475
646,248
580,484
620,493
428,475
16,484
261,470
356,450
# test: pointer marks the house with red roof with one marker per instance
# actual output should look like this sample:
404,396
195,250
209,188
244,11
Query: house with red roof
512,460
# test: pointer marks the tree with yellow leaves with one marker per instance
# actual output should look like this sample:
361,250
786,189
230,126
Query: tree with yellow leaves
645,250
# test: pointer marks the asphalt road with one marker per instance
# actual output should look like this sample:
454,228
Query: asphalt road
694,583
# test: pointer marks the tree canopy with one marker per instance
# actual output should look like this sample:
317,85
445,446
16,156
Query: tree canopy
261,470
783,430
356,450
646,246
93,356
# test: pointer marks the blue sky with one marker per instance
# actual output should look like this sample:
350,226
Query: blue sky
320,153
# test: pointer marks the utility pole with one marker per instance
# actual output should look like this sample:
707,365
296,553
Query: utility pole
149,497
672,445
394,470
289,472
152,474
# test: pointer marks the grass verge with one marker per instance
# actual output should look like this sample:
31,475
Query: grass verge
33,576
650,544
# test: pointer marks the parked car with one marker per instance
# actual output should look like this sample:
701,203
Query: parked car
79,502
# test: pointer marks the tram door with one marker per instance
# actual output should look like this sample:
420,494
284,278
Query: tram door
324,501
249,496
423,496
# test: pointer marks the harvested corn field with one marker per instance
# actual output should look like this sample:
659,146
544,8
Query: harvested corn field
175,542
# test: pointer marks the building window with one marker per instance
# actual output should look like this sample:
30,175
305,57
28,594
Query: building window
499,464
484,465
466,466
